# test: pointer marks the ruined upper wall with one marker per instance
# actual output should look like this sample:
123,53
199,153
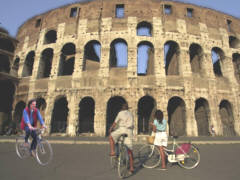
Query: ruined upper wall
142,9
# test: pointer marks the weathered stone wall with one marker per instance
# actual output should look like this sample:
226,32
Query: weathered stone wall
96,21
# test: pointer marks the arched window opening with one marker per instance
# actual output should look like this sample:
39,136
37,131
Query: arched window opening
28,64
118,54
217,58
146,109
234,42
4,64
7,91
50,37
17,116
67,60
45,65
236,65
59,116
114,106
226,114
7,45
171,58
196,56
144,29
202,116
15,66
145,59
41,105
92,56
176,117
86,115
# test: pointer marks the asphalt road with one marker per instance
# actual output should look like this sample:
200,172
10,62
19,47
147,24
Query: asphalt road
91,162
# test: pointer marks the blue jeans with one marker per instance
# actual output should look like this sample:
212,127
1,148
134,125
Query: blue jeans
34,137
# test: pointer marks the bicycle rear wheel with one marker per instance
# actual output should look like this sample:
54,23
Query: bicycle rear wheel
149,156
22,149
123,162
44,152
191,159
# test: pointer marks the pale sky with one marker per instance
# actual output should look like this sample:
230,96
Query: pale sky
13,13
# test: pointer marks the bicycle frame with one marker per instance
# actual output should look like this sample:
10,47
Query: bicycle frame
172,157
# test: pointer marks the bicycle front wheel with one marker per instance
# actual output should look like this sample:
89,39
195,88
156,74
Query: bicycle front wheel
44,152
123,162
191,159
22,148
149,156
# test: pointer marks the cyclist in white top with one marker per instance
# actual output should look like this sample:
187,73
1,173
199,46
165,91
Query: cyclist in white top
124,124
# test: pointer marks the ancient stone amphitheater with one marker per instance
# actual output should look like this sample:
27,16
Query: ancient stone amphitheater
83,60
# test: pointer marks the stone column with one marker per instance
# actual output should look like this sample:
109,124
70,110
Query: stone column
55,64
185,67
72,114
49,111
191,124
100,116
208,65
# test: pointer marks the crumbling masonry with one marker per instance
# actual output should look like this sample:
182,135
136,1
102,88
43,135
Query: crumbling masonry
82,61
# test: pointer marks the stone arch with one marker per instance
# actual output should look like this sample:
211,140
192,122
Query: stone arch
234,42
144,28
92,55
15,66
28,64
118,53
45,64
114,106
171,58
196,58
50,37
18,112
7,92
217,59
41,105
176,116
4,63
86,115
145,58
67,60
202,116
236,65
59,115
7,45
146,108
227,118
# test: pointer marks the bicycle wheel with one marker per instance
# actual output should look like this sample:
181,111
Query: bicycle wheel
44,152
191,159
149,156
22,149
114,162
123,162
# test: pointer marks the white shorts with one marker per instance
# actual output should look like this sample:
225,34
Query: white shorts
128,140
161,139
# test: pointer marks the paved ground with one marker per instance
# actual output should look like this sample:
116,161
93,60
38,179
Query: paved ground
86,158
91,162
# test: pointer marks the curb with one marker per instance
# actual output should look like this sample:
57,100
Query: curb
136,143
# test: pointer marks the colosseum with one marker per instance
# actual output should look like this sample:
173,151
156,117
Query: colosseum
82,61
